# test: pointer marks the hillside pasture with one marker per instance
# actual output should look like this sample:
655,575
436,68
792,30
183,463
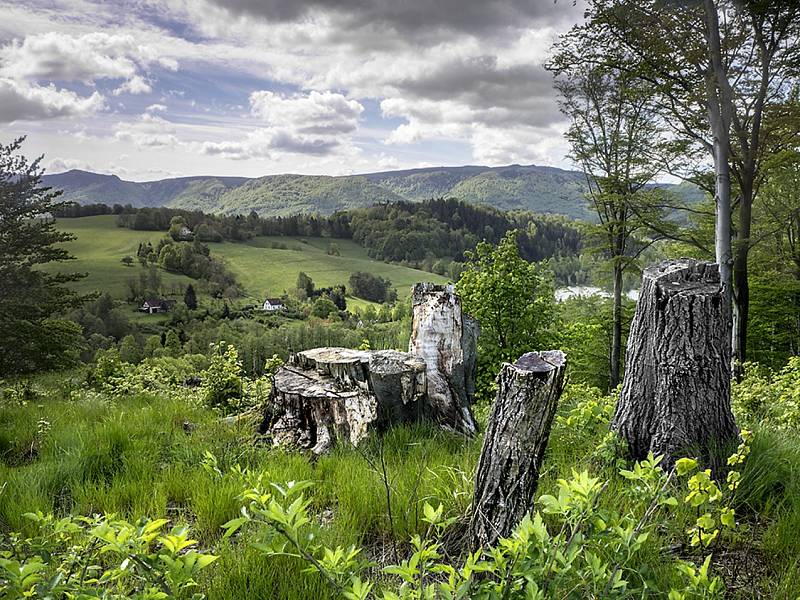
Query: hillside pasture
265,266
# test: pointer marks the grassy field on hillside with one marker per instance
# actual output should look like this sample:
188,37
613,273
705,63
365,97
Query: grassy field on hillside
262,269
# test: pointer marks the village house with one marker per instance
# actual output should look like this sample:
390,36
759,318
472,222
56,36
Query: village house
154,305
273,304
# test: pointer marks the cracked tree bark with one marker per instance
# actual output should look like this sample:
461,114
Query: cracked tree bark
514,444
446,340
329,394
675,398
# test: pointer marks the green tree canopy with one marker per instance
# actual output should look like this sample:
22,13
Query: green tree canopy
32,336
513,301
190,297
323,308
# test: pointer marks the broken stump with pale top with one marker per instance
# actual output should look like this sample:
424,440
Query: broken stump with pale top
514,444
329,394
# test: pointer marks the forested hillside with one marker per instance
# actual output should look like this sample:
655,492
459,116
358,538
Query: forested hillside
432,234
544,190
89,188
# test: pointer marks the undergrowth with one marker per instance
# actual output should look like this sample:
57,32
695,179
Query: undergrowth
66,449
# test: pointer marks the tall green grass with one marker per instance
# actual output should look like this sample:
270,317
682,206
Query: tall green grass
143,456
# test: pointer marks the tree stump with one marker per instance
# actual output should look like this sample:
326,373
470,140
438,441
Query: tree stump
316,409
349,367
440,337
329,394
675,398
398,381
514,443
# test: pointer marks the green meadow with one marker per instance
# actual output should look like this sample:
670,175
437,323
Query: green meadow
262,265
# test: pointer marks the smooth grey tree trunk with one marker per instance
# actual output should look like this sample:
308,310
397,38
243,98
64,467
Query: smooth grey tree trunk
616,331
719,101
514,443
446,340
675,398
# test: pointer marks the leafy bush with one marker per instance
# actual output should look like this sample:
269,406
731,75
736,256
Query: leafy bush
100,557
222,385
589,409
769,398
164,375
569,544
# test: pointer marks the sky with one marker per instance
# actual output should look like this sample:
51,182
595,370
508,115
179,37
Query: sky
149,89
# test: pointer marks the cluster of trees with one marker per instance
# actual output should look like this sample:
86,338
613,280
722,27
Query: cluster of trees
73,210
205,227
192,259
656,87
371,287
411,232
334,298
306,289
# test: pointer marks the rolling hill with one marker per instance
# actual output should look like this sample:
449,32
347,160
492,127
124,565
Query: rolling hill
263,267
84,187
539,189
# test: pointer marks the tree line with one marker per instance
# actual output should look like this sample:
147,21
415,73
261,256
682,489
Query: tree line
406,232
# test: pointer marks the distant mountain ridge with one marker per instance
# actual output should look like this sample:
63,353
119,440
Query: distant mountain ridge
545,190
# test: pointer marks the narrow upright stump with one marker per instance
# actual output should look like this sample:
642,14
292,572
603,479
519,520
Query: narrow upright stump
514,443
446,340
676,394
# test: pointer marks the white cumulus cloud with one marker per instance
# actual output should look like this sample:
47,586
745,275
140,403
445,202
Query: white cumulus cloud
135,85
323,113
150,131
25,102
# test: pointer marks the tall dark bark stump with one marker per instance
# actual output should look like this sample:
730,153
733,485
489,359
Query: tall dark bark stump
676,394
446,340
514,443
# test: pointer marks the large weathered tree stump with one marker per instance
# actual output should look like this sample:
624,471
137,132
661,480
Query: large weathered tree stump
441,338
675,398
514,443
315,409
398,380
329,394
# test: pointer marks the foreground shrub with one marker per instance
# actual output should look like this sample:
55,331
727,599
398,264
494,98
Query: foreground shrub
570,547
223,385
769,398
164,375
100,557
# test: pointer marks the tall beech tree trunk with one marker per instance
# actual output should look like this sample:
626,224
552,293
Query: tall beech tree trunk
719,104
514,443
675,398
616,333
446,340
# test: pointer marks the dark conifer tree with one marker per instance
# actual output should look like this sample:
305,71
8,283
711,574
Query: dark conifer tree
32,334
190,297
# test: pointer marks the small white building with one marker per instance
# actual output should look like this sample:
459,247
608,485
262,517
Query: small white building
154,305
273,305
